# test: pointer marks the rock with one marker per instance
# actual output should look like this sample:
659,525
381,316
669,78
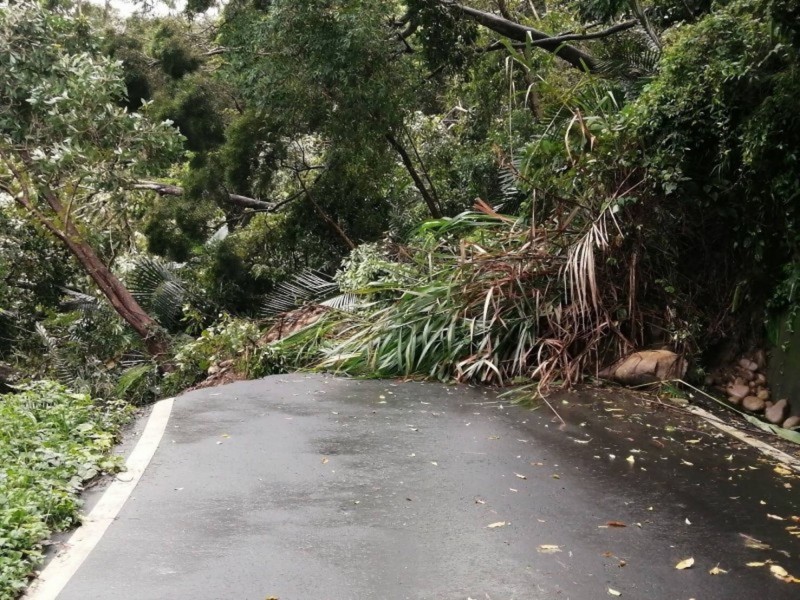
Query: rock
735,400
739,381
746,375
753,403
792,422
763,394
748,365
213,370
761,379
647,366
777,412
760,358
738,390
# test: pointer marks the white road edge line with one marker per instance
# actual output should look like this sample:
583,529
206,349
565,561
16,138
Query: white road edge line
763,447
55,576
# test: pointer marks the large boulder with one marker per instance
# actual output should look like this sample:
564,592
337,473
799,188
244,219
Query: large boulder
647,366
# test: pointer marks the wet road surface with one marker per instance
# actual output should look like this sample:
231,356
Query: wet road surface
314,488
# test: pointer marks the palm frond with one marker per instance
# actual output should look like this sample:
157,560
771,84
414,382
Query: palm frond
159,290
306,287
74,300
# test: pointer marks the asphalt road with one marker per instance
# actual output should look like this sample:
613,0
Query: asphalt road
314,488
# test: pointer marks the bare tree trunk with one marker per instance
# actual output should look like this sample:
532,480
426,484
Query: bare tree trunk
121,299
111,287
64,229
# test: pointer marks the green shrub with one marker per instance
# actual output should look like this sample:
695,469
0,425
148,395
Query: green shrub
51,442
228,339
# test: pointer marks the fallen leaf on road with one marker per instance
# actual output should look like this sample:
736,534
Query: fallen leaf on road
781,573
687,463
781,470
631,459
775,517
717,571
756,564
685,564
616,524
688,522
613,592
520,476
778,571
479,501
753,543
434,463
324,461
495,525
548,549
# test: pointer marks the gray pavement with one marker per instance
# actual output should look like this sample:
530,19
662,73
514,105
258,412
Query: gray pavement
314,488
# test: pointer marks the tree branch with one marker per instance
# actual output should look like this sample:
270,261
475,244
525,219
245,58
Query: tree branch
325,216
522,33
434,209
569,37
165,189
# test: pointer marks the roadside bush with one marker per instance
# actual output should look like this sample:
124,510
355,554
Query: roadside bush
52,442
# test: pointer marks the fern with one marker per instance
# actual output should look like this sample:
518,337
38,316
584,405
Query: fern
61,365
131,377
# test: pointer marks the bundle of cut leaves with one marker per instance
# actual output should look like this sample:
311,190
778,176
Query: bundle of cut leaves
498,298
